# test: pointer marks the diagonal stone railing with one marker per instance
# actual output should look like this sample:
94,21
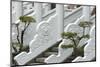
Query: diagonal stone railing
89,51
65,53
62,53
31,30
42,41
46,35
50,23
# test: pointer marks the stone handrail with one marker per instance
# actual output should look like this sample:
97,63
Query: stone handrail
52,12
40,48
43,38
74,14
41,41
62,53
33,26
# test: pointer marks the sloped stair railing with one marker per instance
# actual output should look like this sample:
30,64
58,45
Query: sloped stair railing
62,53
46,30
65,53
76,12
33,25
89,51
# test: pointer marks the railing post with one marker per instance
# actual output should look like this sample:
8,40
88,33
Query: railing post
86,13
18,9
60,18
38,11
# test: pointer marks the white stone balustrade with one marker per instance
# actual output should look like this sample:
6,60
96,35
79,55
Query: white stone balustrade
44,37
44,33
63,53
31,30
89,50
72,27
42,41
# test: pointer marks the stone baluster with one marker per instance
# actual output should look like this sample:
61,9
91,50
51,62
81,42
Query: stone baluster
60,19
86,13
38,11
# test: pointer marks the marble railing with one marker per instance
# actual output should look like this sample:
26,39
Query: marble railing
74,14
41,41
89,50
62,53
53,11
31,30
65,53
46,36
